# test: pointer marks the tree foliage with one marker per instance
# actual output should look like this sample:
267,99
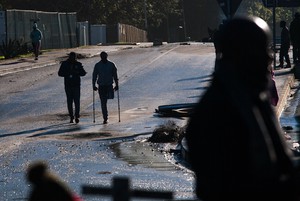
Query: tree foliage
162,15
256,8
105,11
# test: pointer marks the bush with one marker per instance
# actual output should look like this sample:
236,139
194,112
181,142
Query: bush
13,48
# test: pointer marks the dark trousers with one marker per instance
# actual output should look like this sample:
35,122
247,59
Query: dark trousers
284,54
73,96
36,48
105,93
296,52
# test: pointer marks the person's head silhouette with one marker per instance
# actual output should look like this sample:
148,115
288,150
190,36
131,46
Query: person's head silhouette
282,23
103,56
72,56
245,47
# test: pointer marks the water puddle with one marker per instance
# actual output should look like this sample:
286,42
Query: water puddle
143,153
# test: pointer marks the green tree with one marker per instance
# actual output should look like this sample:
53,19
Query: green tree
256,7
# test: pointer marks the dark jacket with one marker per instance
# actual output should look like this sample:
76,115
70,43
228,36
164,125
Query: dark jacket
295,31
236,146
285,38
71,73
105,73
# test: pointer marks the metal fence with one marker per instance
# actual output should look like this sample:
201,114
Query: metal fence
83,33
125,33
98,34
59,29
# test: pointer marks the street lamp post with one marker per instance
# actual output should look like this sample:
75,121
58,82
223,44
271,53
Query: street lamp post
274,32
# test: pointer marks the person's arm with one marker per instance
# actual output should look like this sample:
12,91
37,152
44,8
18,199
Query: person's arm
62,72
115,76
81,72
41,35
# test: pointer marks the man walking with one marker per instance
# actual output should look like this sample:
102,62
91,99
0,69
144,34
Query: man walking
71,70
105,74
285,46
295,37
36,39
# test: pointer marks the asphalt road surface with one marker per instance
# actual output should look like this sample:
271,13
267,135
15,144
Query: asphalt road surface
34,122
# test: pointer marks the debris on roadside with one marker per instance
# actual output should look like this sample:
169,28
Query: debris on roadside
167,133
176,110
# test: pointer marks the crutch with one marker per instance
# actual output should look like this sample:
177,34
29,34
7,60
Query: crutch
119,105
93,105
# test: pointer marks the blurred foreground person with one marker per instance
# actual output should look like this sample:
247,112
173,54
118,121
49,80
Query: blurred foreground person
236,146
46,186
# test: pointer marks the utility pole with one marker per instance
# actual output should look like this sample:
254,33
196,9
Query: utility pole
145,13
274,32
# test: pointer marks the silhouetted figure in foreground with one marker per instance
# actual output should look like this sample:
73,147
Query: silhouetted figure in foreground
46,186
235,143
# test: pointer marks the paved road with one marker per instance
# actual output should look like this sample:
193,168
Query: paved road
78,152
13,167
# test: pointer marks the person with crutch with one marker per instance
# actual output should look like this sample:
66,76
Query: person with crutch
105,75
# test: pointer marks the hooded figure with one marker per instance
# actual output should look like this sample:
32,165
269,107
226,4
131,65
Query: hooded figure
36,39
236,146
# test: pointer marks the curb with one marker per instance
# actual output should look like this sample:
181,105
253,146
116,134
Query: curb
25,68
285,94
82,51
